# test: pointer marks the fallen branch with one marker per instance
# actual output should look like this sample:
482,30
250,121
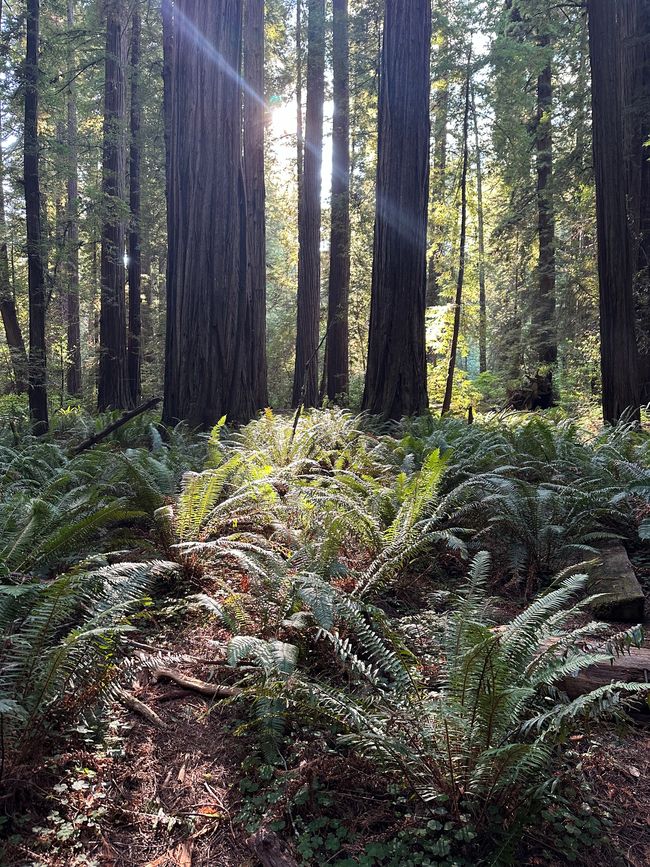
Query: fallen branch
115,425
210,689
141,708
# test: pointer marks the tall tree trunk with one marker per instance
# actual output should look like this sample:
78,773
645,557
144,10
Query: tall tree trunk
635,23
204,268
396,378
482,309
446,404
305,381
13,331
254,121
73,370
336,352
619,357
438,174
134,362
299,126
113,390
544,328
38,409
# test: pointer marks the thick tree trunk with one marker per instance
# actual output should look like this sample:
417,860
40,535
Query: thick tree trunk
113,391
204,270
299,124
38,409
73,370
619,357
396,379
482,308
446,404
544,328
254,120
134,362
305,381
635,26
336,351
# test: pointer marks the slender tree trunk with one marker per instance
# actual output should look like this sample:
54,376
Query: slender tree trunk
619,357
73,370
482,309
13,331
438,175
336,351
446,404
299,127
254,121
305,381
545,332
205,276
113,390
396,379
36,271
134,363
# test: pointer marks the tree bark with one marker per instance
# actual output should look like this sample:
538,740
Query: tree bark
13,331
305,382
73,370
134,361
336,350
544,328
482,311
113,391
254,121
38,408
205,276
446,404
396,378
299,125
619,357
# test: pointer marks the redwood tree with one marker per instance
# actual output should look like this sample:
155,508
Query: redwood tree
134,361
73,371
336,351
38,409
13,331
205,279
254,121
305,382
113,391
619,357
396,379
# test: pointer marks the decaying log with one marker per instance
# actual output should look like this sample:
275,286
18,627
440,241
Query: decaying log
632,667
202,686
270,850
622,598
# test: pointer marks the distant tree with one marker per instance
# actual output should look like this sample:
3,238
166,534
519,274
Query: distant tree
619,357
134,348
13,331
254,124
396,378
207,342
305,381
73,370
38,408
449,388
336,348
113,390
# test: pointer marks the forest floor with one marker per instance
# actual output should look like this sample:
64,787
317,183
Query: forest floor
147,797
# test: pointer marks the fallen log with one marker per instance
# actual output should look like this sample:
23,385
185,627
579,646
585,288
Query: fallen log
192,683
621,598
631,667
115,425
